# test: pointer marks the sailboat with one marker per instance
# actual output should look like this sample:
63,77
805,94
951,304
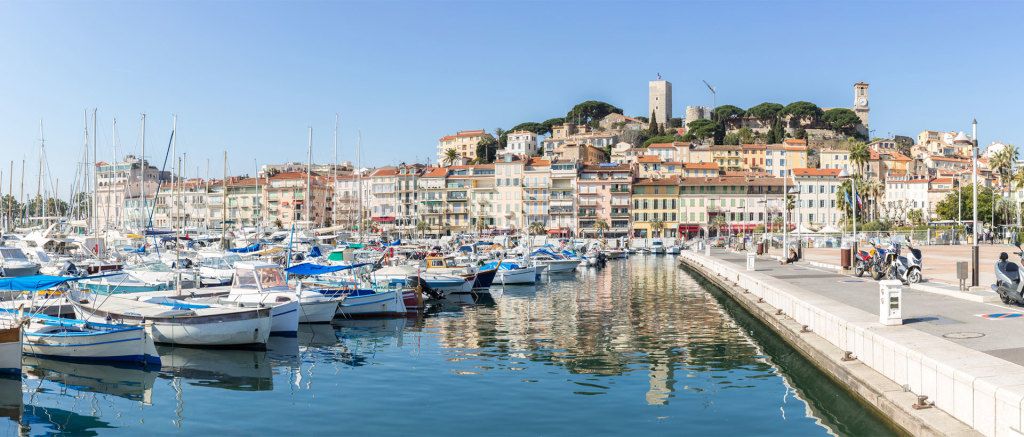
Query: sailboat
10,347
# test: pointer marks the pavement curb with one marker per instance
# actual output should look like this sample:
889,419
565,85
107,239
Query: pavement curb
971,296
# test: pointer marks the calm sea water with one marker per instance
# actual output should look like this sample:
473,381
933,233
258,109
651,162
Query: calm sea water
639,347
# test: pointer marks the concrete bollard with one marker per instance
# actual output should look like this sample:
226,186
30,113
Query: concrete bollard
890,302
751,260
707,248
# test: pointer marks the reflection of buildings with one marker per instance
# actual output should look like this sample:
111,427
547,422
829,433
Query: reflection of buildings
642,312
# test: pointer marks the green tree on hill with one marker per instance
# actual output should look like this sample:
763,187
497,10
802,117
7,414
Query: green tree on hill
800,111
549,124
727,112
841,120
766,112
591,111
486,149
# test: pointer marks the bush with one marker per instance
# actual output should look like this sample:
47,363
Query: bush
875,226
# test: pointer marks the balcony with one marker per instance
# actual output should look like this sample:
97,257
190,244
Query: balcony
560,210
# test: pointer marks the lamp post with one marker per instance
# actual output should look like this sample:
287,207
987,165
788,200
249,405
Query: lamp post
853,206
974,177
799,218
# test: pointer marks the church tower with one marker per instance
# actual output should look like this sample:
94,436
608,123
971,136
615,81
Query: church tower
659,101
860,102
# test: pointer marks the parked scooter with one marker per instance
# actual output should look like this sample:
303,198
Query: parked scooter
904,268
1008,284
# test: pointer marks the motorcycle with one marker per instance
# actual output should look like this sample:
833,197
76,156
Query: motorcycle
1008,284
905,268
879,262
862,261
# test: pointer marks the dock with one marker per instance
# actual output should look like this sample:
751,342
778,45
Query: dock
954,367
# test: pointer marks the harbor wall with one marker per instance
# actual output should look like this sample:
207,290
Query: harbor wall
972,393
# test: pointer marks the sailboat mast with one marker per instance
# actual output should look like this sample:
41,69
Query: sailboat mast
334,168
39,175
95,176
224,205
309,179
359,183
142,176
10,198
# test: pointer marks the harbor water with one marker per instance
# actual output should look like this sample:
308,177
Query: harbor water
640,347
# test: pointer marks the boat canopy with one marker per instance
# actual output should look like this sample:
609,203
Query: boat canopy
39,282
247,249
504,266
310,269
315,252
545,252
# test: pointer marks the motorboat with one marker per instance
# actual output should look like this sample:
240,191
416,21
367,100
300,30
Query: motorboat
554,262
511,272
657,247
217,268
262,283
443,283
674,249
14,263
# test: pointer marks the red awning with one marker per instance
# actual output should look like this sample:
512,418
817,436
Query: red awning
558,231
385,219
689,228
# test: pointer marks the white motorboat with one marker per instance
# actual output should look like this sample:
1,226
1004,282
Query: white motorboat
657,247
14,263
264,283
178,322
443,283
77,340
511,272
365,303
10,349
217,268
554,263
674,250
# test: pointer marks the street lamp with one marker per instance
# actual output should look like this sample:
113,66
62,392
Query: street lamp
974,177
853,205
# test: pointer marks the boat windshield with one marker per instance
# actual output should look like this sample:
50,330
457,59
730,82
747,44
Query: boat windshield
10,253
221,262
152,266
270,277
245,278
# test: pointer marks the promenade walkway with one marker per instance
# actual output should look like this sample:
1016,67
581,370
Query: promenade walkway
966,356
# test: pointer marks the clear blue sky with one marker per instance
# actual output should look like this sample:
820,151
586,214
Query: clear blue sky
251,76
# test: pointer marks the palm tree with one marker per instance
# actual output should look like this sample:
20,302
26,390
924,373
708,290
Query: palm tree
717,222
656,226
1018,183
536,228
859,155
422,227
450,156
874,189
1001,164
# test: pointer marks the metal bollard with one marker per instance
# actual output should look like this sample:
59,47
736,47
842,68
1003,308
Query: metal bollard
751,260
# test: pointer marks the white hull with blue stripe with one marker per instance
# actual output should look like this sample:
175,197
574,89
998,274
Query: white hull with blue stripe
381,303
76,340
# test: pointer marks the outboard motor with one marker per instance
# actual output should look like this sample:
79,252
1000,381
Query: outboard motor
68,269
1008,284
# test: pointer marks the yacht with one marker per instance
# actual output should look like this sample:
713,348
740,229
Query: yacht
13,263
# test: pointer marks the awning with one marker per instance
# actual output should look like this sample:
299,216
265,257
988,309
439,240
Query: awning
558,231
689,228
39,282
384,219
310,269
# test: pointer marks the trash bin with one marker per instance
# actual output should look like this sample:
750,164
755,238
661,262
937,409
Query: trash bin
844,258
760,248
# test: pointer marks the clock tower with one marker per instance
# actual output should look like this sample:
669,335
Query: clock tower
860,102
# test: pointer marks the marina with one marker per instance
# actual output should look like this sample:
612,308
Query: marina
638,347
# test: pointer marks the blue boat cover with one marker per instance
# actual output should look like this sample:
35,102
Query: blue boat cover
140,249
504,266
39,281
546,252
393,243
247,249
315,252
310,269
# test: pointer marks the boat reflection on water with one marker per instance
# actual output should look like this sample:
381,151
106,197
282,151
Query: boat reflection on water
126,382
10,404
317,335
241,370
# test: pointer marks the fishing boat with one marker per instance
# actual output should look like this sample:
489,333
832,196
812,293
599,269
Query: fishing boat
443,283
359,299
10,348
77,340
179,323
14,263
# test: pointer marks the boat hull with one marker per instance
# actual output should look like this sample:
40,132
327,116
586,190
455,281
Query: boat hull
321,311
10,351
560,266
517,276
241,329
385,303
127,345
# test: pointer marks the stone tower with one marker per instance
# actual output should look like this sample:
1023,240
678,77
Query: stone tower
659,101
860,102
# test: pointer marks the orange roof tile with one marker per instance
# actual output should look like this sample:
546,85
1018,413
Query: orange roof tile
816,172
